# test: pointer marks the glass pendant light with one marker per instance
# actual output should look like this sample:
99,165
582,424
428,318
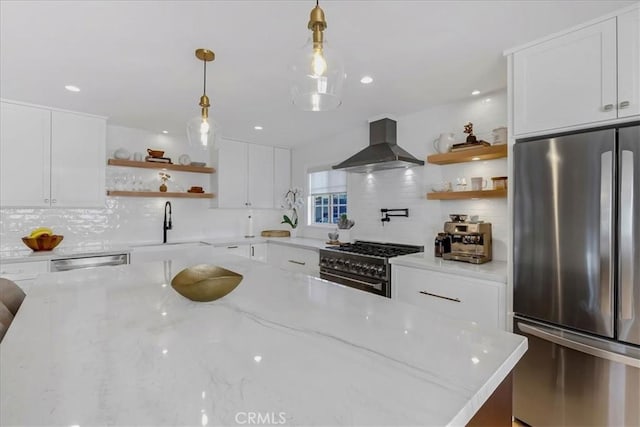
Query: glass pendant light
202,130
318,72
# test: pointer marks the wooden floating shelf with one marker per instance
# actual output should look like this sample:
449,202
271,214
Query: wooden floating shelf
167,194
480,153
167,166
460,195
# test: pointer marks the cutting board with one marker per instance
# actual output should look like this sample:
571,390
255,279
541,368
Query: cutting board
275,233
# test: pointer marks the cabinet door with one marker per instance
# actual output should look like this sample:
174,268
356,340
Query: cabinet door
629,64
25,144
259,252
77,160
281,174
260,188
232,174
454,296
566,81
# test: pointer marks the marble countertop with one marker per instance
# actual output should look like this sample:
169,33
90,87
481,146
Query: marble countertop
118,346
495,271
26,255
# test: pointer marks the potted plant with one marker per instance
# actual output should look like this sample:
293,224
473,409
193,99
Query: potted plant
292,201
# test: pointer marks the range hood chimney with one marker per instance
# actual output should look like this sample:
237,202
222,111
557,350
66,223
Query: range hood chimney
382,152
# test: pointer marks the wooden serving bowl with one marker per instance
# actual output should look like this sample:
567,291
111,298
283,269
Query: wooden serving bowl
155,153
43,243
205,282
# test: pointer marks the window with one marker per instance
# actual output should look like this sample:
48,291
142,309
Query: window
327,196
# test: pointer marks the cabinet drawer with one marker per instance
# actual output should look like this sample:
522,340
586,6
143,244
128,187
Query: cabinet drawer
23,270
454,296
294,259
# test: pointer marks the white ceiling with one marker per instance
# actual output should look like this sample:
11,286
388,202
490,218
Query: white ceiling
135,63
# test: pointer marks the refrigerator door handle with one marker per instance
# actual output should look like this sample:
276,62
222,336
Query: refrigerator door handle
626,235
578,346
606,234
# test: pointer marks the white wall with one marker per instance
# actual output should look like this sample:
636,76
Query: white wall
407,188
132,219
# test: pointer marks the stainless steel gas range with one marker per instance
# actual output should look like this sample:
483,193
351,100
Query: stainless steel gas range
363,265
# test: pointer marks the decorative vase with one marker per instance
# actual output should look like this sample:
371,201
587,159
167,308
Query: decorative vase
344,235
293,233
163,187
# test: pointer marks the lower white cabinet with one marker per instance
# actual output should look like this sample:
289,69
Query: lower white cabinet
23,273
294,259
259,252
464,298
255,251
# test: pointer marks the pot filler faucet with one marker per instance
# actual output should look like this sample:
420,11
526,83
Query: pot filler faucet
166,225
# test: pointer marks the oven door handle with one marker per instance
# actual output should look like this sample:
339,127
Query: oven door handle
373,285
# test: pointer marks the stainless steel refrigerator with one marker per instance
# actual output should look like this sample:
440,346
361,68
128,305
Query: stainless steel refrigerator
577,278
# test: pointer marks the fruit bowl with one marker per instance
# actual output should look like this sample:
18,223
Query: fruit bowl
45,242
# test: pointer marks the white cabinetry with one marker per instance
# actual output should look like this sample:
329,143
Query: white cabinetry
51,158
250,175
463,298
629,63
294,259
281,174
23,273
589,75
77,160
255,251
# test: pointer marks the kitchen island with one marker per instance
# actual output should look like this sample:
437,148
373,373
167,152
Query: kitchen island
118,346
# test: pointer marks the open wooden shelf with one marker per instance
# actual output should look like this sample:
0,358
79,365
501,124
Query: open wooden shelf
460,195
184,195
167,166
480,153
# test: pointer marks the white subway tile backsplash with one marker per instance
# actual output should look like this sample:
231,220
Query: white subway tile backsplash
130,219
407,188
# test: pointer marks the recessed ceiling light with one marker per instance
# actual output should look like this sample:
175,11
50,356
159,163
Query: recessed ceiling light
366,80
165,131
72,88
258,127
475,92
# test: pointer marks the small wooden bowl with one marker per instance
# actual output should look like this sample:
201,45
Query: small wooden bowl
43,243
155,153
205,282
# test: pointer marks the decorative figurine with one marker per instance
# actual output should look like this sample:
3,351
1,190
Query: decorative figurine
468,128
164,177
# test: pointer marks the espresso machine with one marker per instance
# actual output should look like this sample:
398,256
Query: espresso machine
470,241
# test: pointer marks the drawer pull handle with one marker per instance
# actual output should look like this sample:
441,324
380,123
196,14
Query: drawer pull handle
297,262
232,247
608,107
624,104
440,296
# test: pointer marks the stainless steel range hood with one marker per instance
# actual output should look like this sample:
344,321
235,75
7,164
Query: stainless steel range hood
382,152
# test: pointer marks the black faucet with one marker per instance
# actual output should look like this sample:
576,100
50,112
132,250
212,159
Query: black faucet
166,225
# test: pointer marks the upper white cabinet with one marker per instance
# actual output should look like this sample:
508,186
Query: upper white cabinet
281,174
629,64
589,75
25,153
51,158
250,175
77,160
260,185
